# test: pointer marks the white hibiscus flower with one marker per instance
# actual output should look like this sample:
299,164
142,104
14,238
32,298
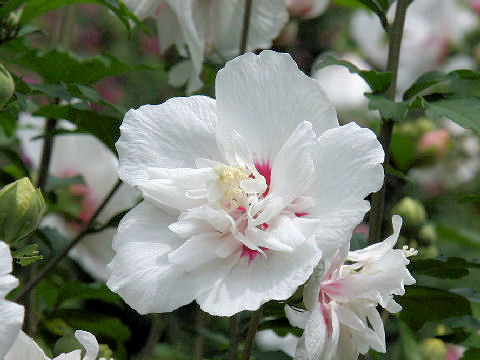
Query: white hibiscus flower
25,348
209,29
341,320
268,340
86,156
430,26
11,314
242,194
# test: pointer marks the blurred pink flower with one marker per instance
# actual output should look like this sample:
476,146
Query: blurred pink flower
111,89
454,352
361,229
149,45
475,4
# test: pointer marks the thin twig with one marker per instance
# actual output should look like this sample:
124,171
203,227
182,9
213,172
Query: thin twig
246,26
252,330
386,128
51,265
156,330
233,348
201,319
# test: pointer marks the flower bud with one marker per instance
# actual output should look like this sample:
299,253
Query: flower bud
21,209
412,211
428,234
434,143
433,349
428,252
7,86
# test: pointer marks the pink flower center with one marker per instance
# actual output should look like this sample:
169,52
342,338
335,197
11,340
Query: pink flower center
264,168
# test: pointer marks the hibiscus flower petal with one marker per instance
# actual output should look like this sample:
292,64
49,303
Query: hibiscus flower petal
348,167
25,348
244,289
264,98
169,135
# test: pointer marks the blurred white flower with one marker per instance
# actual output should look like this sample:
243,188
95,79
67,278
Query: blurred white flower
25,348
307,9
268,340
344,89
84,155
341,320
430,26
11,314
260,191
209,29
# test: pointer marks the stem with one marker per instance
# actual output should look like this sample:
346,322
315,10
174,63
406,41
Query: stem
50,125
156,330
252,330
201,319
246,26
51,265
233,348
386,128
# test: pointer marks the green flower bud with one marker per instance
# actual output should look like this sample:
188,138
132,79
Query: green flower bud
428,234
428,252
7,86
105,352
433,349
412,211
21,209
424,125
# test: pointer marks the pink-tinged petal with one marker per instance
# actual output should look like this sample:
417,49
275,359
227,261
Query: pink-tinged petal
348,168
244,289
169,135
264,98
25,348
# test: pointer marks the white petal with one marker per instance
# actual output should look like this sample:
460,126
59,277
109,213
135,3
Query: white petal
348,317
11,316
249,284
292,170
25,348
348,167
141,272
375,251
170,135
296,317
264,98
142,8
196,251
5,259
89,342
94,252
313,341
268,340
282,235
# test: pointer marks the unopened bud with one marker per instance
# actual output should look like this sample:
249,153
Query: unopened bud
7,86
434,143
433,349
21,209
412,211
105,352
428,234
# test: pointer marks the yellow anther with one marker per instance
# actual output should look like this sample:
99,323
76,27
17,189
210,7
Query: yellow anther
229,179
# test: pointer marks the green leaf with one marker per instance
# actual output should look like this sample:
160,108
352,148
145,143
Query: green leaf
396,111
359,241
463,110
422,304
399,174
96,291
471,354
35,8
10,6
451,268
461,236
27,255
435,77
378,81
470,294
59,65
379,7
104,127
